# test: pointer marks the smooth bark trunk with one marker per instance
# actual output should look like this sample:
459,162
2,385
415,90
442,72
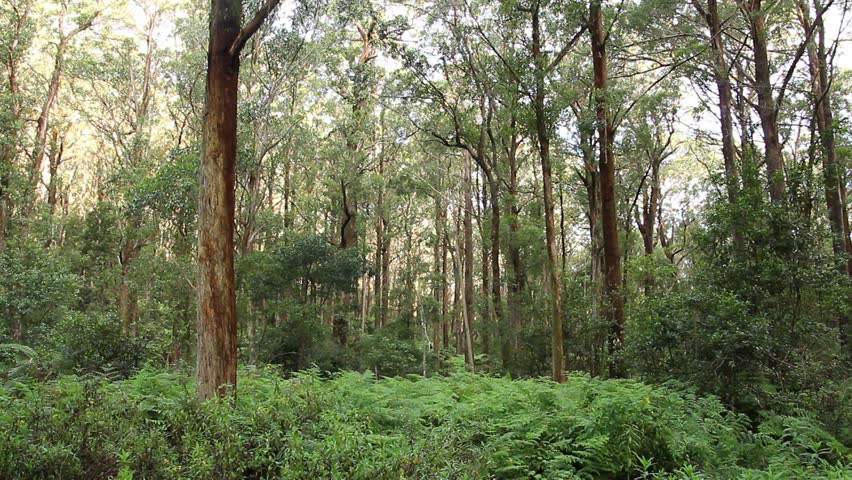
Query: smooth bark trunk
216,356
543,136
468,263
609,217
766,108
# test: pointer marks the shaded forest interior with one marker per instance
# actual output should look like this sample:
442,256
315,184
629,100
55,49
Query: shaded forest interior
652,190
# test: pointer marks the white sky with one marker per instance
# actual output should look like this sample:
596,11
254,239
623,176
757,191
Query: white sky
835,24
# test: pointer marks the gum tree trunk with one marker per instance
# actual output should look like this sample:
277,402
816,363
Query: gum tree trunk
765,100
468,263
609,221
216,361
543,136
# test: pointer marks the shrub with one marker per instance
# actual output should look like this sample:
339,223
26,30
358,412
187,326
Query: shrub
354,426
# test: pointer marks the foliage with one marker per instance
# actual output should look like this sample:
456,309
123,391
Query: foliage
304,265
353,426
36,288
97,344
755,321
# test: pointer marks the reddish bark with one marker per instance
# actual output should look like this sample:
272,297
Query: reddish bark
609,217
216,361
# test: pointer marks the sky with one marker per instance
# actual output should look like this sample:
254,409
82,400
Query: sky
837,25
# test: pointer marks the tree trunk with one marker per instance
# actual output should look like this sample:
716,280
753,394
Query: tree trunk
468,263
437,279
591,181
365,303
458,286
55,159
496,283
833,176
609,216
543,136
386,260
765,101
722,79
42,124
445,290
486,323
650,205
43,121
380,250
216,365
517,277
216,359
127,303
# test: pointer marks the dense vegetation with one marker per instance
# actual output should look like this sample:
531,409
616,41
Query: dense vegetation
458,198
354,426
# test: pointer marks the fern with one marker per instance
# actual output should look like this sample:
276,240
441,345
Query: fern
356,426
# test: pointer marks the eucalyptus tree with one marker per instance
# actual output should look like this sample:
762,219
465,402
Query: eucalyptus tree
115,94
774,54
821,70
632,60
544,63
458,83
216,354
483,139
72,19
606,159
15,40
649,138
722,78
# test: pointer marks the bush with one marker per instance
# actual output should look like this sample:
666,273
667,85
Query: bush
36,288
354,426
90,343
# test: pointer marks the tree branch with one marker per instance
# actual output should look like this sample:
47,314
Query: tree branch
799,52
252,27
567,48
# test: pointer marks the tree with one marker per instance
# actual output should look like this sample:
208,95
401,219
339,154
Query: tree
609,217
542,67
13,45
832,170
722,77
767,106
83,22
216,361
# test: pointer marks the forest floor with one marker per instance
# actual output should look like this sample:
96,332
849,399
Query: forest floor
355,426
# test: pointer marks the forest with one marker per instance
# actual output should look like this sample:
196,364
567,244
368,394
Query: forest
437,239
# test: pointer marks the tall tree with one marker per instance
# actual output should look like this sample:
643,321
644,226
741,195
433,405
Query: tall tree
468,262
767,110
832,169
543,65
13,46
609,216
216,361
83,23
722,78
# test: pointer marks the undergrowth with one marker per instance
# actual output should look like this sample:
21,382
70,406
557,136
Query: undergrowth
354,426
